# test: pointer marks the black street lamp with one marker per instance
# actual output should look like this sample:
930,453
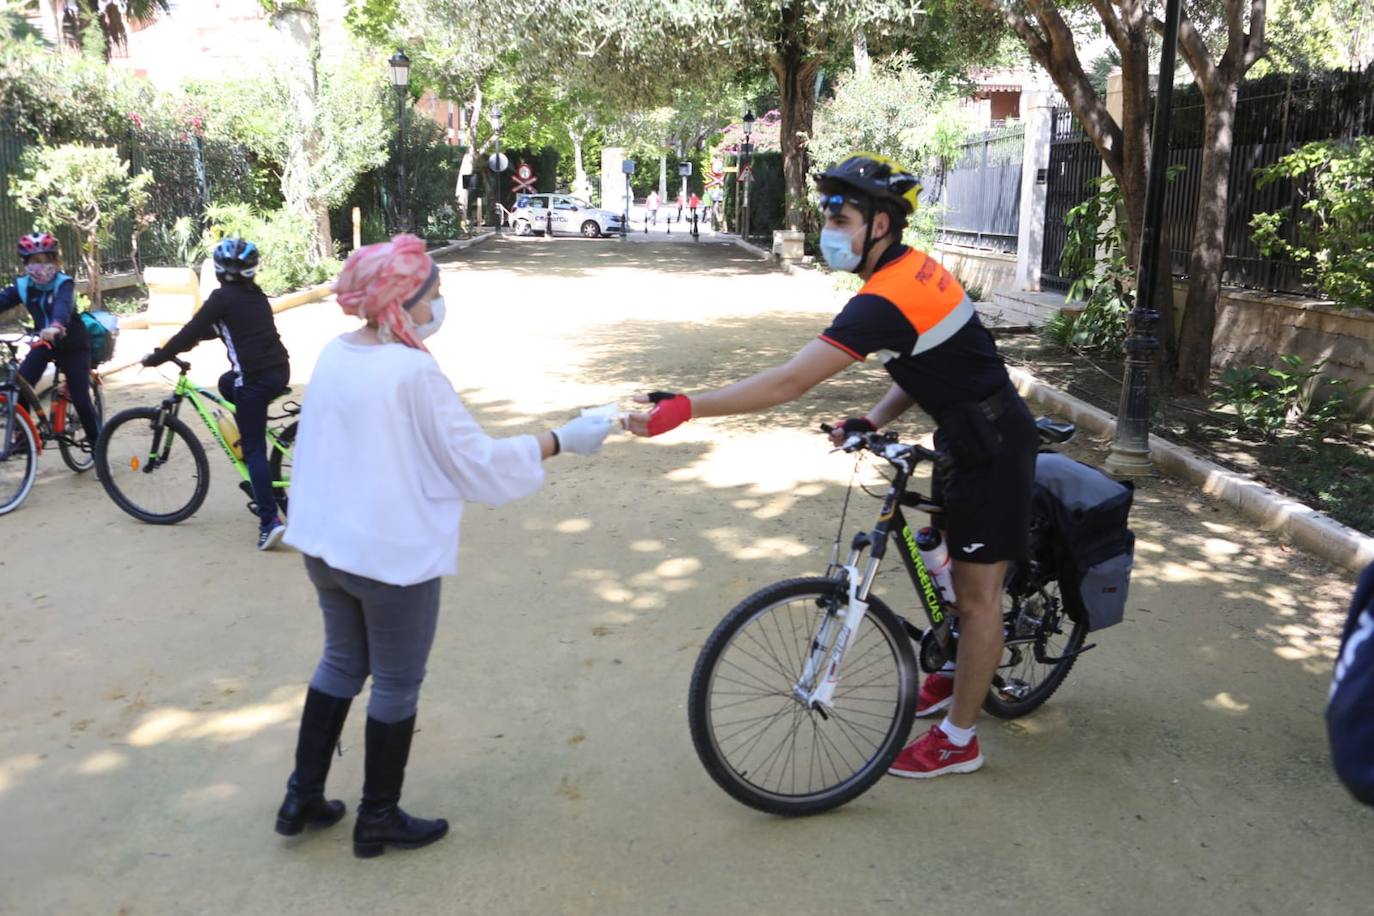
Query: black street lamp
494,118
400,81
745,150
1130,453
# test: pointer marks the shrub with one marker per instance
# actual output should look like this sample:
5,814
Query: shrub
1335,241
88,188
285,240
1269,399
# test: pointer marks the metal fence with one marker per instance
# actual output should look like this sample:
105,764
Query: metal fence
1274,116
185,174
1074,162
980,194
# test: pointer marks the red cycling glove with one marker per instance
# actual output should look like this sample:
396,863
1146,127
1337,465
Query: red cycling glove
670,411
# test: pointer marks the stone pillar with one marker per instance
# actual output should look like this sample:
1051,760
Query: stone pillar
612,179
1035,160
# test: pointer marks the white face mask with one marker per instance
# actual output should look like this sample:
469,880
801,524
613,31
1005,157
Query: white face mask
430,327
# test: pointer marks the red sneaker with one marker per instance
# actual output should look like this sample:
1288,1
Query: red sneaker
933,755
937,694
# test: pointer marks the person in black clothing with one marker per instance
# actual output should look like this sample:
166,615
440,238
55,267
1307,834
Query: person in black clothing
50,296
1350,712
240,315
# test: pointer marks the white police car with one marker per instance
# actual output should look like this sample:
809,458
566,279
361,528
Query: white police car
568,216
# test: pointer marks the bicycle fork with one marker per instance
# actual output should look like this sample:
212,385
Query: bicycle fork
839,630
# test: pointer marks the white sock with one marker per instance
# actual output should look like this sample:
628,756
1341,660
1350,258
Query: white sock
959,737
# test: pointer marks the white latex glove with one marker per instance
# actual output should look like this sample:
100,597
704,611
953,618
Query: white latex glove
584,435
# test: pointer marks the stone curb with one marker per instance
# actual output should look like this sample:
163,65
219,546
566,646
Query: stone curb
1305,526
459,246
786,267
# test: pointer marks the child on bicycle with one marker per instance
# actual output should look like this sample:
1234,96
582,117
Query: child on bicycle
913,315
240,315
385,459
50,296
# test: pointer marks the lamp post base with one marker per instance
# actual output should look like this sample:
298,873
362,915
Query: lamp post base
1122,462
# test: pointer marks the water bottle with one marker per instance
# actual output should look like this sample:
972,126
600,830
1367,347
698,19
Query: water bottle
935,554
230,431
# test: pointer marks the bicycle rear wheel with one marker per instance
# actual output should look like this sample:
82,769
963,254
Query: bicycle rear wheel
19,466
759,742
281,461
152,466
1037,656
77,452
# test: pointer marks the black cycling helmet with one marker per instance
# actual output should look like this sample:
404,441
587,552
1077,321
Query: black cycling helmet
236,259
875,176
875,184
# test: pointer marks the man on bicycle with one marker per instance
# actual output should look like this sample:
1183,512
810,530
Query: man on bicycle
914,316
240,314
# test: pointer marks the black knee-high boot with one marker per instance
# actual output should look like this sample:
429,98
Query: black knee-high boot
321,723
381,822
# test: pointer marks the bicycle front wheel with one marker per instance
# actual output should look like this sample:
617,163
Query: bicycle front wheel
78,453
19,464
759,742
152,466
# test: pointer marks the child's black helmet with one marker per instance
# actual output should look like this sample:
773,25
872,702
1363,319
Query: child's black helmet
236,259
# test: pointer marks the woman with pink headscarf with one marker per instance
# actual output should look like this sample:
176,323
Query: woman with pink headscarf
385,457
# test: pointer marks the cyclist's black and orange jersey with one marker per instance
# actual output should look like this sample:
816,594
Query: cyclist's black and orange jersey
916,318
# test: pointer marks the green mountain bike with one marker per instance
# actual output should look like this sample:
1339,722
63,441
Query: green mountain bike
155,468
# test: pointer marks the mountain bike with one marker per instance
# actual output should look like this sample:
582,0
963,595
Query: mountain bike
154,467
806,691
25,427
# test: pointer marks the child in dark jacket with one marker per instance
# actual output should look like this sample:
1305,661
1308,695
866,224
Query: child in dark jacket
50,297
240,315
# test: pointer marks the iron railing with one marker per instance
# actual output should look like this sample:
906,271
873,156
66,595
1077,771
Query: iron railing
1074,163
980,194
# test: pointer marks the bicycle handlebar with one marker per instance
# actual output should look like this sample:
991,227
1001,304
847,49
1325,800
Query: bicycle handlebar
886,445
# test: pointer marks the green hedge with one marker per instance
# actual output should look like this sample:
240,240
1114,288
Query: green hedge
767,199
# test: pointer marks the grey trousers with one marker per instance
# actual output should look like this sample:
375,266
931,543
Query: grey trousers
378,629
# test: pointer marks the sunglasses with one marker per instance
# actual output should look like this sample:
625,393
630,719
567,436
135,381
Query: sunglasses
832,204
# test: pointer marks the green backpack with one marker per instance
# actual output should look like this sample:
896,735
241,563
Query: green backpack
102,328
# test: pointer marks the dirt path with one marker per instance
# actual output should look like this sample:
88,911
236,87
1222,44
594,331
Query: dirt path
150,678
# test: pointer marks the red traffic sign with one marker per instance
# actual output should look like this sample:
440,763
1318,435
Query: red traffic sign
746,173
522,182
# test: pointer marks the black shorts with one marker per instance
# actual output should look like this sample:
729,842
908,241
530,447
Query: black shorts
988,503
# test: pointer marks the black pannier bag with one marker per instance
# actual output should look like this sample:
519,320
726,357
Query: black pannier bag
1092,546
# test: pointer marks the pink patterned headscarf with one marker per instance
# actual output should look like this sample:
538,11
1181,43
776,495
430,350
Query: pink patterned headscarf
382,281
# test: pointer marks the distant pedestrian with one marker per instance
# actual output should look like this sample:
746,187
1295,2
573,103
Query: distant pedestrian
651,208
681,202
694,203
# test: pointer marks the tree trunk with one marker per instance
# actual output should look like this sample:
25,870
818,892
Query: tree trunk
300,28
1209,241
90,258
795,74
469,163
863,64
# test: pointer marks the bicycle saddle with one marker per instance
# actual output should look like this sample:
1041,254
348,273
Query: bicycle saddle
1055,432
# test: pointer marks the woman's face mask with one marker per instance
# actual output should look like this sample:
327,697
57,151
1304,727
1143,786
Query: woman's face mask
41,274
430,327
